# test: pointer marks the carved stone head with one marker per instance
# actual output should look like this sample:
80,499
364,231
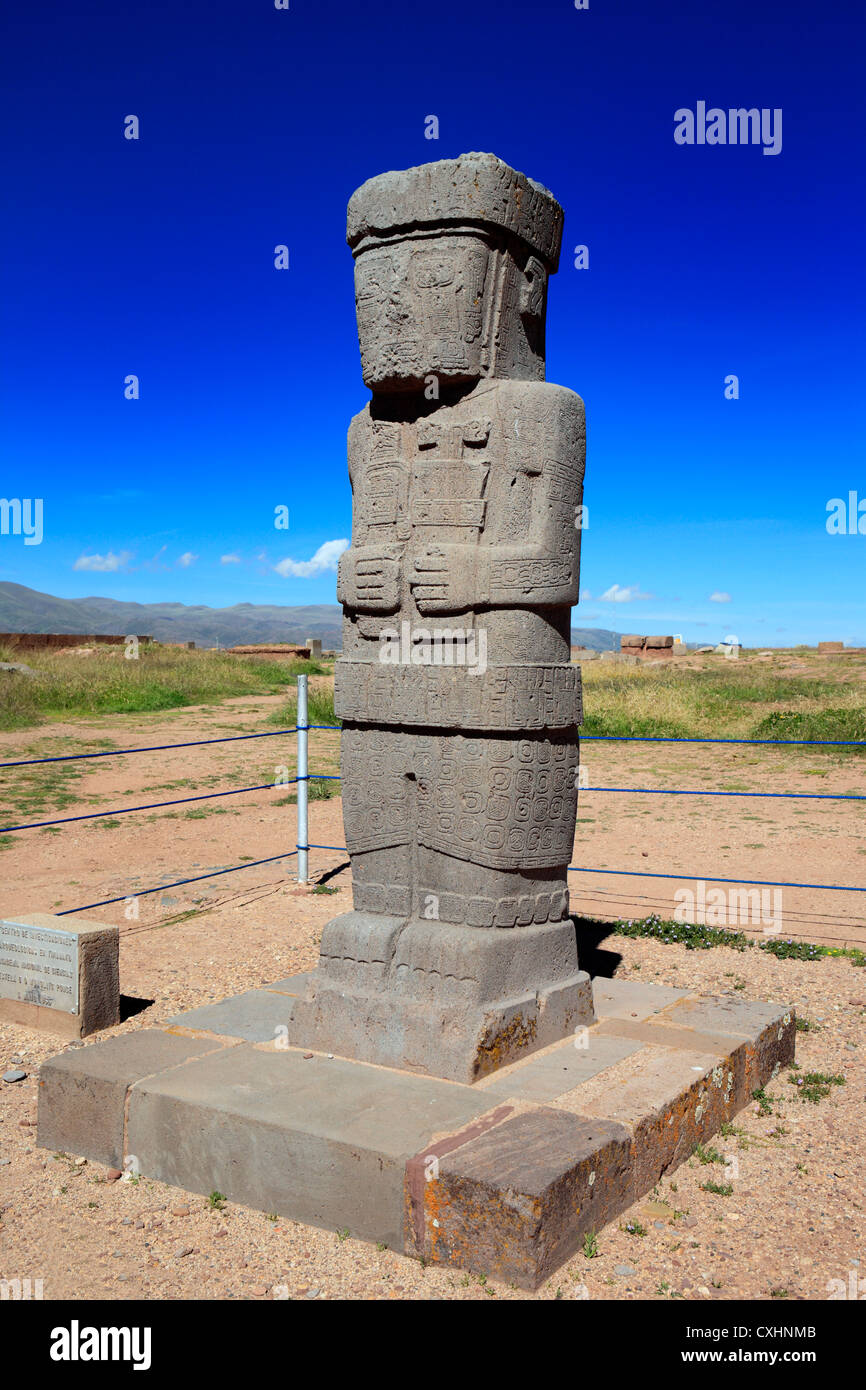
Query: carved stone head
451,267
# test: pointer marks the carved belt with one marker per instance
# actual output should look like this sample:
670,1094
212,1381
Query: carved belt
510,698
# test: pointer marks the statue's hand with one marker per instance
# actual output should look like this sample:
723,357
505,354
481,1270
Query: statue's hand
443,579
368,578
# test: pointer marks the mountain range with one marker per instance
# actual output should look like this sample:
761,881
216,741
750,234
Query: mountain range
28,610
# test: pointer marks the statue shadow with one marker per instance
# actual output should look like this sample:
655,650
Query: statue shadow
332,873
130,1006
590,933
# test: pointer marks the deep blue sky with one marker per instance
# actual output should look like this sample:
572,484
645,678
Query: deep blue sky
156,257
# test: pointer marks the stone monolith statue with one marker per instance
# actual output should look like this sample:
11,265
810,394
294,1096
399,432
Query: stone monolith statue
460,707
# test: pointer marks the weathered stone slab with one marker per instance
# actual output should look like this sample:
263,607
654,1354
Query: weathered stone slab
766,1033
550,1074
60,974
82,1092
668,1098
516,1200
632,998
292,984
259,1015
738,1018
319,1139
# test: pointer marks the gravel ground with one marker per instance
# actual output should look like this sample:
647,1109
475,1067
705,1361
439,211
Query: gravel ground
792,1223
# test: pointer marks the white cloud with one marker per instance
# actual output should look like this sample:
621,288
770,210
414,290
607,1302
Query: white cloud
585,594
187,559
104,563
230,559
720,597
325,558
618,593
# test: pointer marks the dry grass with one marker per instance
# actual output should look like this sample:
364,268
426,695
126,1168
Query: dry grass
820,700
105,682
788,696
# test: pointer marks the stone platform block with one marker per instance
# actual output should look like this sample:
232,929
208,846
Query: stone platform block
258,1015
82,1093
504,1177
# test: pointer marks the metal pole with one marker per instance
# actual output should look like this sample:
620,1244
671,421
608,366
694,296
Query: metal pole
303,782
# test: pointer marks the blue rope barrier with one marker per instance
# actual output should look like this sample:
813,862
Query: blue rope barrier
690,878
773,742
154,806
160,887
665,791
790,796
706,878
157,748
335,729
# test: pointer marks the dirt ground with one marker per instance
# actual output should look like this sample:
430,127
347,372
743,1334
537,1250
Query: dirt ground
808,841
794,1220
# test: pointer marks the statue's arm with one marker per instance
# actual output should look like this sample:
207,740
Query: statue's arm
544,569
368,576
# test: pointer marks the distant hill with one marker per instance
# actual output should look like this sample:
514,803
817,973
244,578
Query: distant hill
597,639
28,610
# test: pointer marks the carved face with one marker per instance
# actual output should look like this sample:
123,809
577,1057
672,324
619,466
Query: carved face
421,311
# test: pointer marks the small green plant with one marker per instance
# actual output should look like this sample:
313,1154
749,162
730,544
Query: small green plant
705,1155
694,936
590,1246
216,1201
323,888
343,1235
778,1293
765,1105
720,1189
814,1086
634,1228
805,1025
793,950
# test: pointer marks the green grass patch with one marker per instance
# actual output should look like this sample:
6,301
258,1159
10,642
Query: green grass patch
30,793
693,936
822,725
645,702
320,709
815,1086
161,678
697,937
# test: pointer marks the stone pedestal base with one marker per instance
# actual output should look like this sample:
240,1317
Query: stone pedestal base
505,1177
448,1001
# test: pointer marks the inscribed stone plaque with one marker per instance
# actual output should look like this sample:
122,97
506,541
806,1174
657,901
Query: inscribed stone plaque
59,973
39,966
